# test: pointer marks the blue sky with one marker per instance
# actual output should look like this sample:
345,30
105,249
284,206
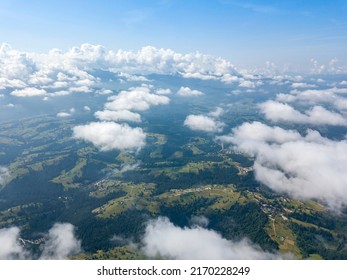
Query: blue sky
248,33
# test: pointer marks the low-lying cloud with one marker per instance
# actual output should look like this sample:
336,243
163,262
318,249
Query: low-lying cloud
136,98
317,115
111,136
304,167
4,174
121,115
203,123
331,96
28,92
165,240
10,248
60,243
186,91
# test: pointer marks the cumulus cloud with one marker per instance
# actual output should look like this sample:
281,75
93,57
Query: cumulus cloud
104,91
28,92
203,123
110,135
63,115
217,112
86,108
136,98
122,115
317,115
164,239
316,96
10,248
4,174
331,67
71,70
247,84
163,91
302,85
85,89
304,167
66,114
186,91
133,78
61,243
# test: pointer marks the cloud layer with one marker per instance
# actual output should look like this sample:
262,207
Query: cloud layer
110,136
164,239
304,167
56,72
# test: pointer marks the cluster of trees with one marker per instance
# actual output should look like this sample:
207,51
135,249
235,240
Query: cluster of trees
242,220
316,241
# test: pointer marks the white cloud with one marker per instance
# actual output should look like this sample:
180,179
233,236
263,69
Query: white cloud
14,64
4,174
122,115
136,98
66,114
86,108
63,115
21,69
186,91
127,167
164,239
11,83
84,89
10,105
28,92
229,79
163,91
302,85
317,115
343,83
104,91
165,61
10,248
332,67
109,136
247,84
61,243
315,96
217,112
198,75
133,78
304,167
203,123
200,221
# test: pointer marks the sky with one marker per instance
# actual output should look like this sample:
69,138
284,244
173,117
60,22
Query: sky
248,33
